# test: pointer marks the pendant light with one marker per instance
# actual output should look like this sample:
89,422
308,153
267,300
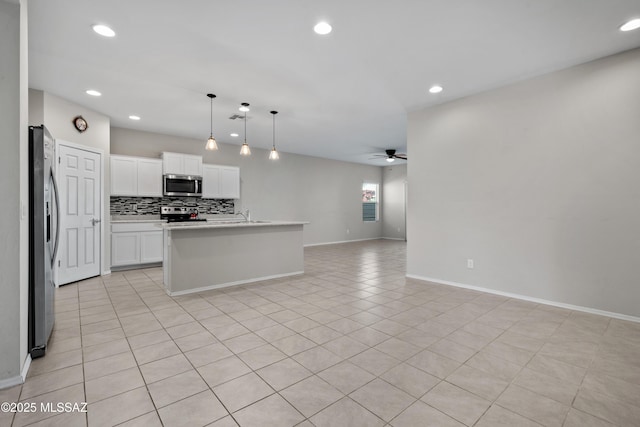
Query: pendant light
211,142
245,150
273,155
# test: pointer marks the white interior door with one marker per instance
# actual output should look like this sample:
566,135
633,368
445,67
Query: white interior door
79,179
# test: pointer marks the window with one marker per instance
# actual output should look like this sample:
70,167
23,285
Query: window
370,199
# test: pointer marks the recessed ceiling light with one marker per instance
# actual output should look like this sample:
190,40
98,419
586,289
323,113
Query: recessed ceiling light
435,89
322,28
103,30
93,92
134,117
235,135
634,24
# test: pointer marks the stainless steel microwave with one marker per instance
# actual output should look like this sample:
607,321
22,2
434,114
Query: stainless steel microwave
182,185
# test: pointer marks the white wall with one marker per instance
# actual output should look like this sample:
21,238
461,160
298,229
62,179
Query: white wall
57,115
394,179
24,183
327,193
13,229
537,182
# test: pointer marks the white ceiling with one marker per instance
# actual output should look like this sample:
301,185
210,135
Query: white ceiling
342,96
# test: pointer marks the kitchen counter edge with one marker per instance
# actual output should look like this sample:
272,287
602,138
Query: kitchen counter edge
212,224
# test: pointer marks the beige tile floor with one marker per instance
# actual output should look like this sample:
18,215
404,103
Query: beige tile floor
352,342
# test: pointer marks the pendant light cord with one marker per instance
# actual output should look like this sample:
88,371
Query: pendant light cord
211,111
274,131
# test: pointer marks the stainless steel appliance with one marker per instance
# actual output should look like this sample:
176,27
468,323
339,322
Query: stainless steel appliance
182,185
180,214
44,225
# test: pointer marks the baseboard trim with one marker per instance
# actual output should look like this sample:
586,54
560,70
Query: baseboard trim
135,266
401,239
18,379
310,245
528,298
25,368
229,284
106,272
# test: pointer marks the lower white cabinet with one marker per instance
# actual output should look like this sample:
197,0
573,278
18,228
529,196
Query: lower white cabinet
135,243
125,249
150,246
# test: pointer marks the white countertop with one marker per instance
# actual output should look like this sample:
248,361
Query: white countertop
136,218
226,224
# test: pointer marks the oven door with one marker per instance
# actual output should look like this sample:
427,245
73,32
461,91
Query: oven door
182,185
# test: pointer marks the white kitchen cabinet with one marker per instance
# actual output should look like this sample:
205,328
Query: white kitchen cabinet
181,164
135,243
150,246
136,176
210,181
220,182
125,249
230,182
192,165
124,171
149,177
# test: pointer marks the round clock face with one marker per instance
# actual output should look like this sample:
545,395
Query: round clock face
80,123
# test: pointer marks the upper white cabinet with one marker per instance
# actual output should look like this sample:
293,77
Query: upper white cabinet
220,182
192,165
136,176
229,182
181,164
210,181
124,172
149,177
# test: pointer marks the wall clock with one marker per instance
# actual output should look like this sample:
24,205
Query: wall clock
80,123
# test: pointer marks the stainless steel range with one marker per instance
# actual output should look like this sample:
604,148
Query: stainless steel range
180,214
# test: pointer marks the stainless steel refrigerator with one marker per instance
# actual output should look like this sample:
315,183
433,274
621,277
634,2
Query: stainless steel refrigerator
44,225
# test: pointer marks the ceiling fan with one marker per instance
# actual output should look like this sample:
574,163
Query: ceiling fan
391,155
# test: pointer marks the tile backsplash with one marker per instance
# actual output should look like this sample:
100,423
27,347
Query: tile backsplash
151,205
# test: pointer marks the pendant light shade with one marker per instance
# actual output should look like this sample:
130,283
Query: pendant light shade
273,155
211,142
245,150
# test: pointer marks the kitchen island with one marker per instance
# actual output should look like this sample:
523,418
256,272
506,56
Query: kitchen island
215,254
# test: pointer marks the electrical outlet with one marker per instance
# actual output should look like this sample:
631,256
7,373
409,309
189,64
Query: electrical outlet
469,263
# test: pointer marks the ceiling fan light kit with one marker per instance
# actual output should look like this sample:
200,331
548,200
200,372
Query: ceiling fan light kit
391,155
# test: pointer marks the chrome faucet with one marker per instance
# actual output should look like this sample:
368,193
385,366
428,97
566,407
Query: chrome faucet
246,215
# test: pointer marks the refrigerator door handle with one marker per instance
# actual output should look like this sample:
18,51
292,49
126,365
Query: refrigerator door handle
55,192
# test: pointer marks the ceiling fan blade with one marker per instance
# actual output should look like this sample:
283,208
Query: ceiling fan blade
400,156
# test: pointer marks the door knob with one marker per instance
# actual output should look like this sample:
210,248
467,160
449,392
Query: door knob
94,221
